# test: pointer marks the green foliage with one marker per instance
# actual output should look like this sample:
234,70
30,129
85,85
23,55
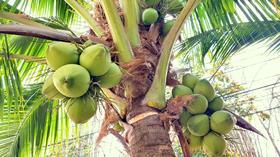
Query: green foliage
220,28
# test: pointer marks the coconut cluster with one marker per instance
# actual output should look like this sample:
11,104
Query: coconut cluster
153,11
75,73
204,122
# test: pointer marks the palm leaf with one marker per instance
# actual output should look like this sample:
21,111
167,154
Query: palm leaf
46,8
221,28
222,43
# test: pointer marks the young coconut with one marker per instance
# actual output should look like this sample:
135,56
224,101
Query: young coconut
174,6
203,87
184,117
71,80
198,105
216,104
149,16
151,3
190,80
195,142
50,91
96,59
61,53
181,90
214,144
222,122
167,26
111,78
199,125
81,109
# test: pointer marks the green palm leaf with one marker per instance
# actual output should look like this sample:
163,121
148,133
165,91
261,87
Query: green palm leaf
220,28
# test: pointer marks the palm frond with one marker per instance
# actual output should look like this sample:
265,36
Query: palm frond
28,121
39,8
222,43
223,27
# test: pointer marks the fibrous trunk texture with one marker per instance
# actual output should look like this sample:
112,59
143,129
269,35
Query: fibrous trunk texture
149,137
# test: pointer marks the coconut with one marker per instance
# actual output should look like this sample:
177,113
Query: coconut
222,122
174,6
167,27
214,144
184,117
111,78
96,59
198,105
203,87
216,104
71,80
195,142
81,109
61,53
181,90
190,80
151,3
149,16
50,91
199,125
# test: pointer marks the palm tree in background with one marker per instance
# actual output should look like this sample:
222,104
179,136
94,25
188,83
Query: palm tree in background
213,28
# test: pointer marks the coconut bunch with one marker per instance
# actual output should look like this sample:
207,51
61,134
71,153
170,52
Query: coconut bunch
78,73
204,122
153,11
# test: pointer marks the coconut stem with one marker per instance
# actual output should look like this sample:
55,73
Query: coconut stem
117,102
23,20
117,30
86,15
159,84
131,21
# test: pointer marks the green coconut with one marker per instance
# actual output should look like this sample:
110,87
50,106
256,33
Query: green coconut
50,91
216,104
198,105
81,109
199,125
174,6
190,80
181,90
149,16
61,53
151,3
96,59
111,78
195,142
184,117
203,87
214,144
71,80
222,122
167,27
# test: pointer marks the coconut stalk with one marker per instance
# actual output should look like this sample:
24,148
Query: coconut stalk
23,19
117,30
32,31
119,104
159,83
131,17
86,15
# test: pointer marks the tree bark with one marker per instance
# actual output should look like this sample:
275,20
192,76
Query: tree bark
149,137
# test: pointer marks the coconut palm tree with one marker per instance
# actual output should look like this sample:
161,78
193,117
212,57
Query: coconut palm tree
212,28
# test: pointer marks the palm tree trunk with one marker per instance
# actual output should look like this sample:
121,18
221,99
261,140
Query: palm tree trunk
149,137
